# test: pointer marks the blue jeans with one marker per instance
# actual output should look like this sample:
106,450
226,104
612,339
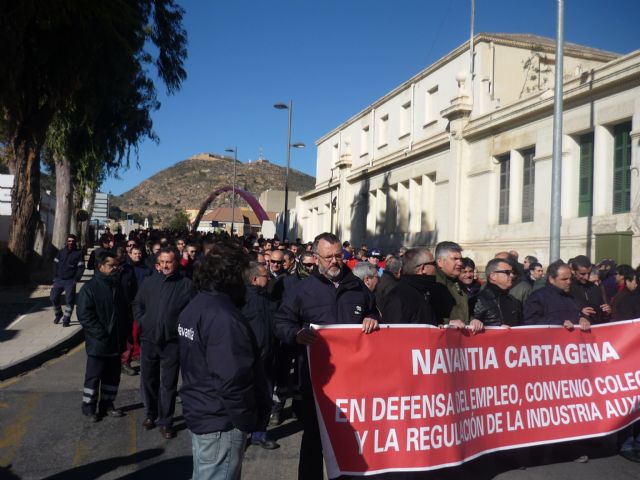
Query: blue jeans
218,455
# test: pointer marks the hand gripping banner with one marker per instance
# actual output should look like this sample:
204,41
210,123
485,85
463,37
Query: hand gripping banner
412,398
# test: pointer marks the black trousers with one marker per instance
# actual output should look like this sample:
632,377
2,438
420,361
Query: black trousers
159,368
101,380
285,384
311,463
69,288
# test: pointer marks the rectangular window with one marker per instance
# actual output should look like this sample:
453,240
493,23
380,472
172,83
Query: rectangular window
621,164
585,185
528,184
364,141
505,166
431,106
405,119
383,132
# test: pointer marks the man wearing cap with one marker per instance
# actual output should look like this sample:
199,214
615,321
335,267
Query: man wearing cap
373,257
68,267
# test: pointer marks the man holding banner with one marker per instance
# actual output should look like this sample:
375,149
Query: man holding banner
330,295
553,304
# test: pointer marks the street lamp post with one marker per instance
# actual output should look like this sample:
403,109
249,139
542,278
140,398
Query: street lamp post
284,106
233,185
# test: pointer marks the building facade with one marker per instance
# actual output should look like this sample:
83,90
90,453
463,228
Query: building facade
462,151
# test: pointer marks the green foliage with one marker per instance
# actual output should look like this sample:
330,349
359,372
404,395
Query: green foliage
137,218
75,80
179,221
116,213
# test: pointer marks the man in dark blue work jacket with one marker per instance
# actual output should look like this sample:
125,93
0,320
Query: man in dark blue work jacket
330,295
68,267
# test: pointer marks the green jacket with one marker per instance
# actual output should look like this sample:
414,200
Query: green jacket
521,291
460,310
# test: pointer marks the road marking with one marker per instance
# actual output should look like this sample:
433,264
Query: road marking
81,451
13,433
15,322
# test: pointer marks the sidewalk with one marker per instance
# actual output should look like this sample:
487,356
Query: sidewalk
28,336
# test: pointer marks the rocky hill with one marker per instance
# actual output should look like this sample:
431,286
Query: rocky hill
186,185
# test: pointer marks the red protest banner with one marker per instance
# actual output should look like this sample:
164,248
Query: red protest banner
411,398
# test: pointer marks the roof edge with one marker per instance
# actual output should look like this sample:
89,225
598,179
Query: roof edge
571,49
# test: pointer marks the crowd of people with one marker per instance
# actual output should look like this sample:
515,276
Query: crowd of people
234,315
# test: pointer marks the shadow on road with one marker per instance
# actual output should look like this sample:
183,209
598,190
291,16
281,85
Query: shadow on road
177,468
101,467
7,474
285,430
20,300
6,335
133,406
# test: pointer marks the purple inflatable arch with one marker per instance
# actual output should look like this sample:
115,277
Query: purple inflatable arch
250,199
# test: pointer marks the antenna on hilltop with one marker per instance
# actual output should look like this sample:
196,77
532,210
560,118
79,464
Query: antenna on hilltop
261,154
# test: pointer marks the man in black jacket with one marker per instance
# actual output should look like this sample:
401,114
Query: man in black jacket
586,293
417,297
388,280
104,315
156,307
553,304
331,294
224,393
105,245
259,311
68,267
494,305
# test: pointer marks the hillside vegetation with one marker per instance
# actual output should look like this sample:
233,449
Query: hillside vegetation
187,184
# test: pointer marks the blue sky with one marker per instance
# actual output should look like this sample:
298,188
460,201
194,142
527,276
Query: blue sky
332,58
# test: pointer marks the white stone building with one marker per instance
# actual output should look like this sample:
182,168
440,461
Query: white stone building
463,153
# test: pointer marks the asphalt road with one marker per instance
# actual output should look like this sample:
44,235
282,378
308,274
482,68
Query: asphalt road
44,436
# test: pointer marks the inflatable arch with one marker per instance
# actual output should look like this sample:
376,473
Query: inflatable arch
250,199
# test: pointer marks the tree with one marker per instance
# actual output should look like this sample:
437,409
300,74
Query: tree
179,221
75,60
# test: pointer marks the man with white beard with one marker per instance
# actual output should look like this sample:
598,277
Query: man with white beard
331,294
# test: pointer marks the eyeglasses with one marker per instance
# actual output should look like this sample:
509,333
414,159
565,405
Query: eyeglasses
328,258
131,244
506,272
276,262
433,264
308,265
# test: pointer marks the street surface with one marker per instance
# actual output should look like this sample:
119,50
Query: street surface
44,436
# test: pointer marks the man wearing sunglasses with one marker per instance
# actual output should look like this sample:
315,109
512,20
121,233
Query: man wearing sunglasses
276,263
495,306
417,297
307,262
68,267
332,294
285,355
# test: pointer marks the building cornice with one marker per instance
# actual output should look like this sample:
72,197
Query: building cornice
622,71
571,50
